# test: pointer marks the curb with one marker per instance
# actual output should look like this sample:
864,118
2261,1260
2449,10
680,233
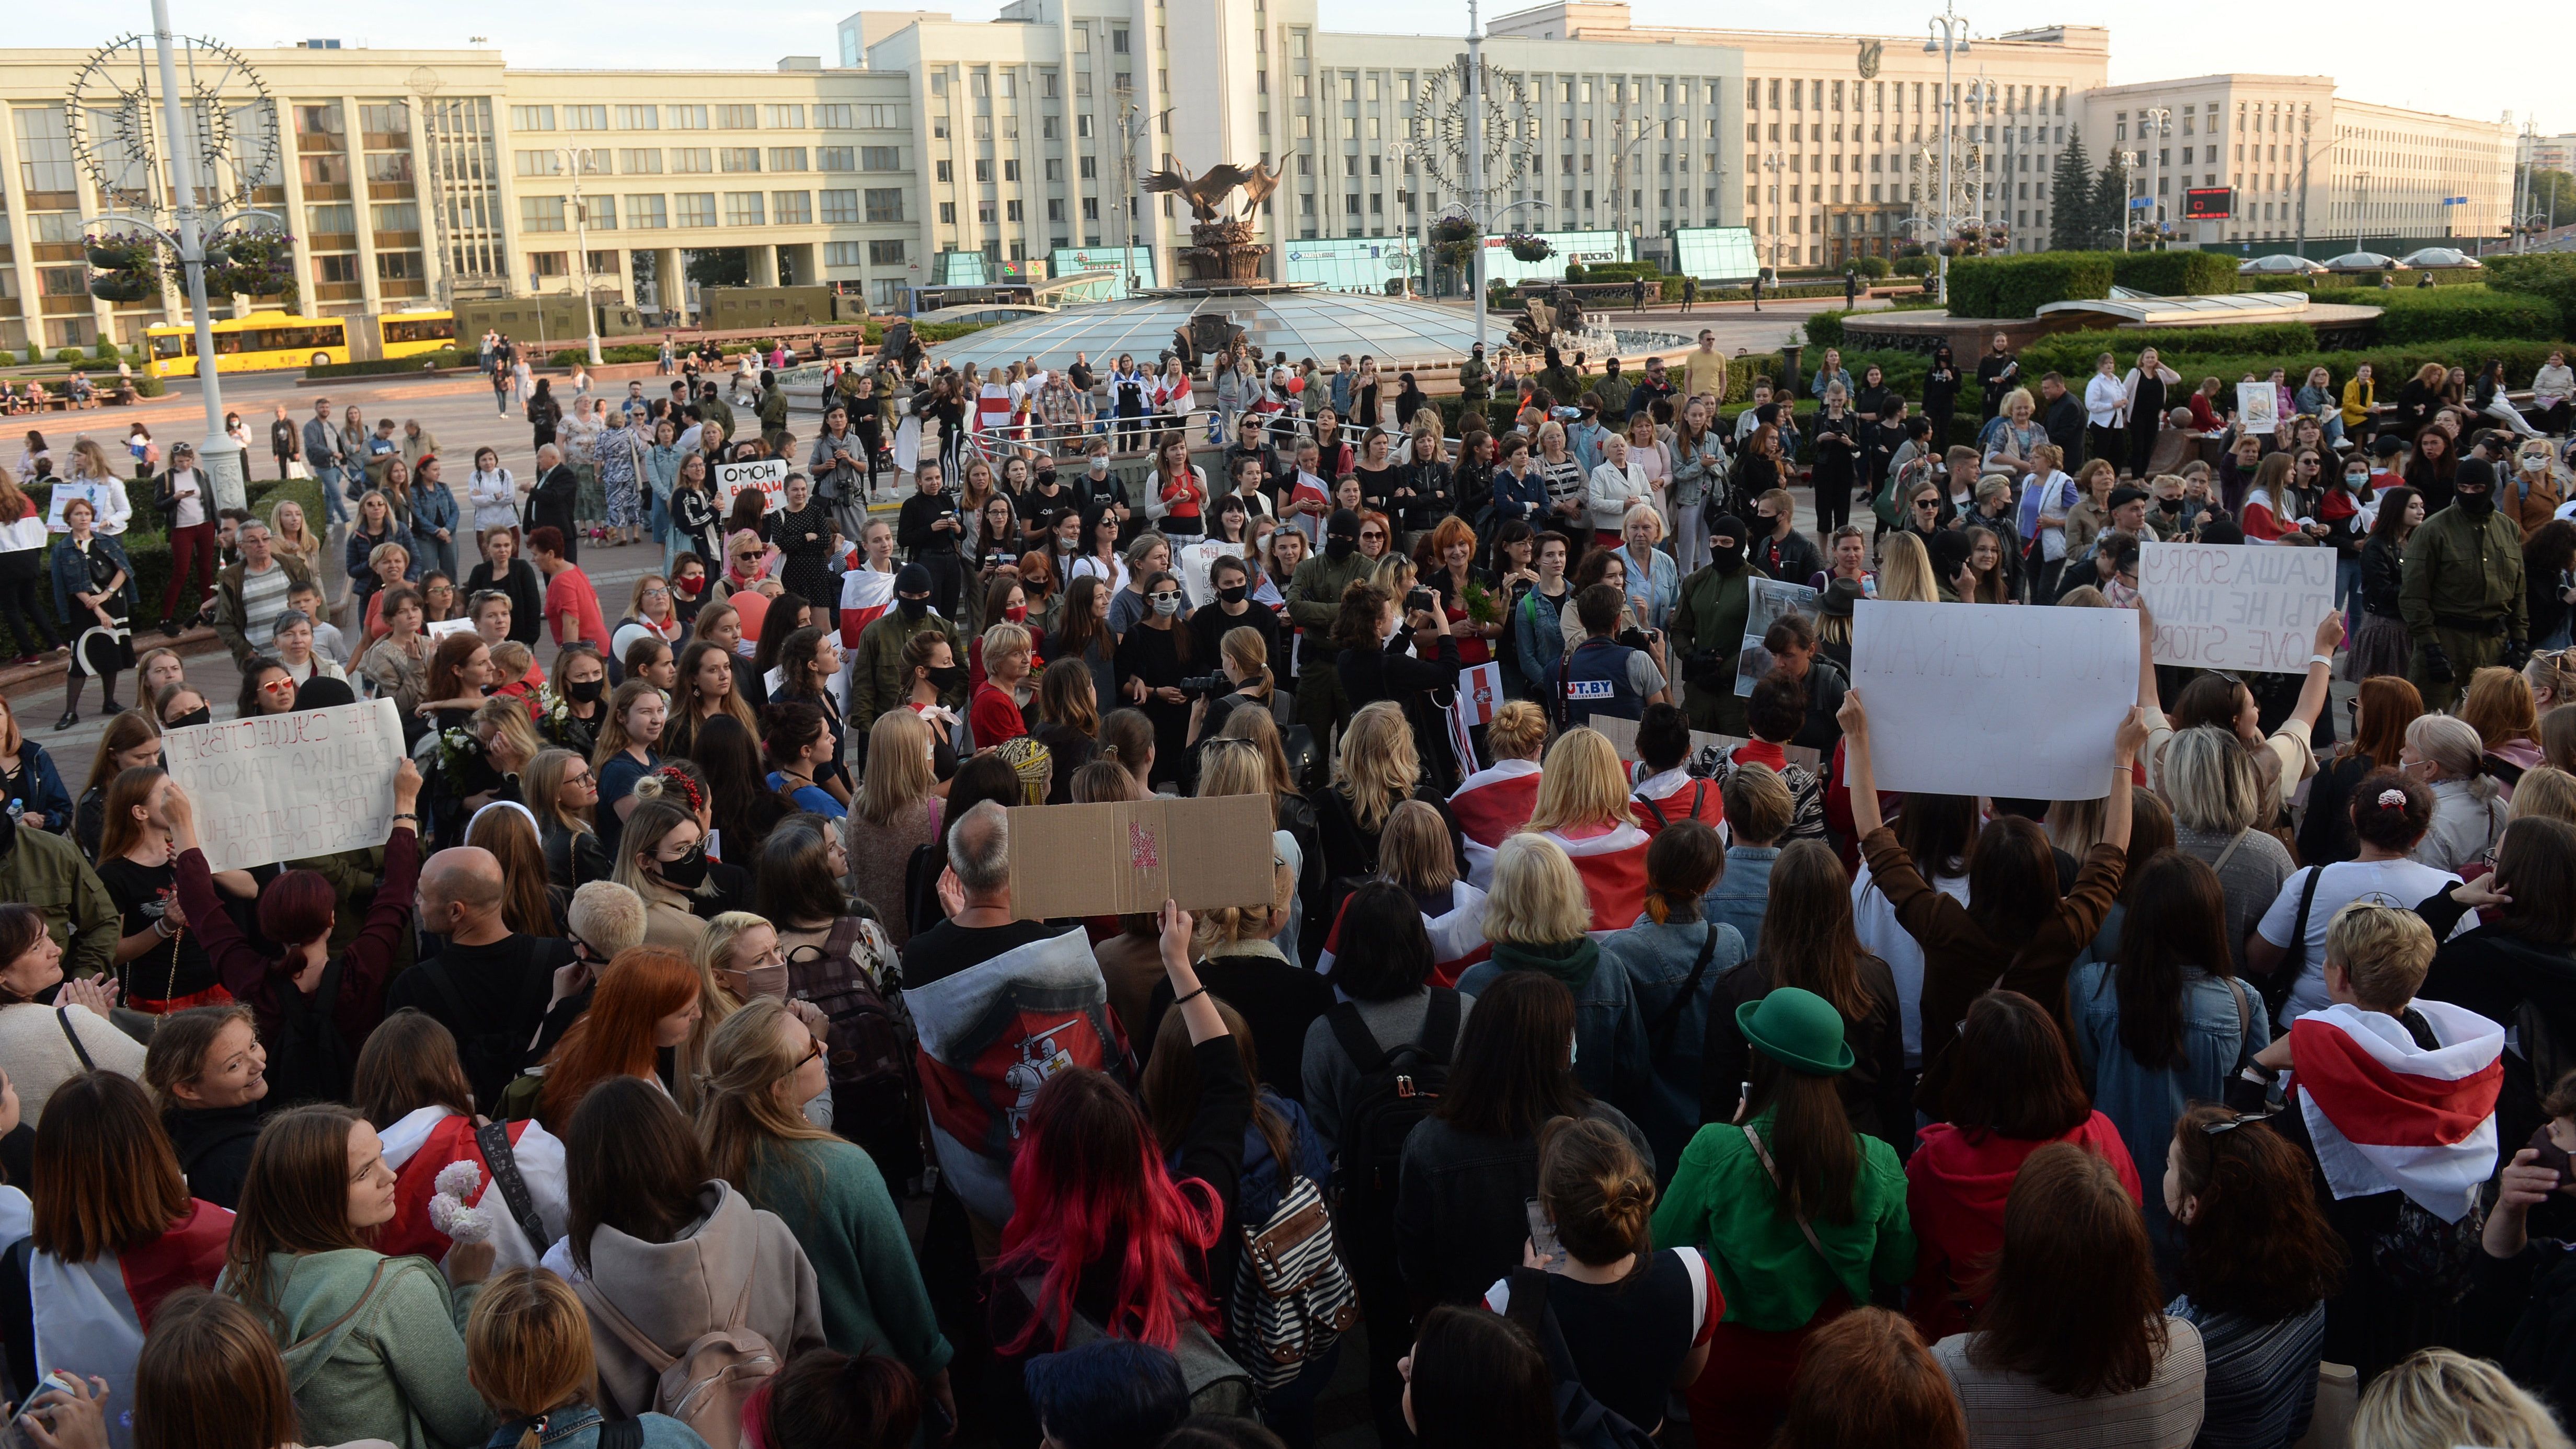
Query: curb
50,671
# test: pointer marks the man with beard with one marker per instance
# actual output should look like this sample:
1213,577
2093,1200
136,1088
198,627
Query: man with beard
2461,590
1706,630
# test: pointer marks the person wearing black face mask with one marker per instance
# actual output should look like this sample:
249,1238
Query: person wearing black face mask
574,711
1315,592
2461,590
880,681
1233,609
1706,630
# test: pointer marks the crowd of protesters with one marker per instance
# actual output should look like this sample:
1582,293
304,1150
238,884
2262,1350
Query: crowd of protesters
679,1071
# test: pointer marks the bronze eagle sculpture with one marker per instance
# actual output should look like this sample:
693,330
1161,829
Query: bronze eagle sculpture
1208,191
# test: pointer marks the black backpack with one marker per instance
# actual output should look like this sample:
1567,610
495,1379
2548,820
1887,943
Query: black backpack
1397,1090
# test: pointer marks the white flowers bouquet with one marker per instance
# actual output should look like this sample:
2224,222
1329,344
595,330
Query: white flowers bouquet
449,1211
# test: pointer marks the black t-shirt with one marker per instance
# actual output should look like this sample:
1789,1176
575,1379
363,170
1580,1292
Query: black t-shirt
948,948
173,968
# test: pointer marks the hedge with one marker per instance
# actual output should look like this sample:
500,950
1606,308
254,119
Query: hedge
2072,353
2018,286
147,544
1825,329
382,366
2449,312
2174,274
2550,275
2390,363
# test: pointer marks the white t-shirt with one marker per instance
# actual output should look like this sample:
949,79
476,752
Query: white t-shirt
2400,883
1874,921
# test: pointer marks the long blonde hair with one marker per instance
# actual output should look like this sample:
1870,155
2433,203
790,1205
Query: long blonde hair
1537,899
1580,783
898,776
1414,851
1376,765
1243,646
1905,572
741,1117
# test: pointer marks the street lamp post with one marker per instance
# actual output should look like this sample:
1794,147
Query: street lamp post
1404,151
2154,121
1475,178
2128,163
576,160
1773,162
2360,206
1949,39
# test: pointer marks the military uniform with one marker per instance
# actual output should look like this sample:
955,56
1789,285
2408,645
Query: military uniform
1709,616
1475,381
2461,592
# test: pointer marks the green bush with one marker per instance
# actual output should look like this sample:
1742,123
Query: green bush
149,384
387,366
1913,266
2175,274
2442,313
106,351
2072,353
1619,271
1875,267
2018,286
67,354
1576,271
1825,329
2550,275
629,352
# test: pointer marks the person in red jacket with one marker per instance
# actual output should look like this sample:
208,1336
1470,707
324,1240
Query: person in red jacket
994,713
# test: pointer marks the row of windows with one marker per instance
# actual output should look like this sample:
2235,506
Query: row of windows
878,253
1814,95
701,208
685,160
786,117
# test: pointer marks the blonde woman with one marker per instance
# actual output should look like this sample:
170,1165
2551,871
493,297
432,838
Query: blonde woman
90,478
738,960
2444,752
1376,769
1414,854
897,808
1905,572
289,535
1538,921
1586,809
2436,1397
1230,765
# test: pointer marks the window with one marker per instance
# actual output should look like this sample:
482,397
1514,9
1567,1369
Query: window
1081,127
983,128
948,213
639,118
522,118
1088,167
886,204
536,213
1010,169
398,266
1118,41
395,216
1054,169
546,264
688,118
343,267
599,212
337,220
391,118
646,213
880,158
1055,209
389,166
885,254
697,208
792,208
979,83
940,172
737,118
840,208
1046,128
697,159
1091,207
738,158
984,213
984,172
585,118
836,158
1010,211
784,118
786,158
833,118
1046,85
317,170
743,208
645,162
840,254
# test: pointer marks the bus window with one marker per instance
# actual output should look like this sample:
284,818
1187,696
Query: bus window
182,344
437,330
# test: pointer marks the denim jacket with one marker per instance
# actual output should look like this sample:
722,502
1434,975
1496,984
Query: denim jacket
433,507
577,1427
1658,960
1744,892
1541,635
2218,1026
1697,472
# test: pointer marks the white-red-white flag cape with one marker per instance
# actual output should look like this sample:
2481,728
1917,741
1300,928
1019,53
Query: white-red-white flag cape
865,594
2385,1113
1613,867
1489,805
1457,936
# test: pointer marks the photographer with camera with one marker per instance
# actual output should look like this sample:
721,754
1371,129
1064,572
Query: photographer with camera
1242,678
1403,652
1614,671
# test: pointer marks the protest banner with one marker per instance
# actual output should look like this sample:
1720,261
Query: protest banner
2258,407
2240,606
1195,560
1128,857
438,629
1770,599
289,786
1622,734
1994,699
769,475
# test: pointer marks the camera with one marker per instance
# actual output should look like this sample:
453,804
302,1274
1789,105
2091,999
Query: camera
1210,685
1636,638
1421,600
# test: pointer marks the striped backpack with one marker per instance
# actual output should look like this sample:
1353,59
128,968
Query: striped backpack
1292,1300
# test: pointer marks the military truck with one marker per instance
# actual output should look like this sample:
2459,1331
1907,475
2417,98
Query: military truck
743,309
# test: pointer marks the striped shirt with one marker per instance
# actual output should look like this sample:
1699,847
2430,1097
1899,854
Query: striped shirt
263,598
2262,1383
2007,1410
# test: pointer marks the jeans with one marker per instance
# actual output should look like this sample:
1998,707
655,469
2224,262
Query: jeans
192,567
658,525
2348,592
328,475
2332,422
1690,538
438,553
2511,416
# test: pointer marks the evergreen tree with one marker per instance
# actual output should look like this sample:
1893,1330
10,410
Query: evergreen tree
2108,218
2070,194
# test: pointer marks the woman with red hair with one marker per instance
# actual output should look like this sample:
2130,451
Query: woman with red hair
1468,597
312,1007
1100,1228
646,1000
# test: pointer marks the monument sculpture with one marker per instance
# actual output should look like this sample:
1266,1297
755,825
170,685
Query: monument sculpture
1222,252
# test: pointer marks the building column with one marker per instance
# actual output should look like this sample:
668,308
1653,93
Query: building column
764,266
361,206
22,254
670,282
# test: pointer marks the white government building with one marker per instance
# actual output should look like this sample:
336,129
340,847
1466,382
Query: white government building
927,150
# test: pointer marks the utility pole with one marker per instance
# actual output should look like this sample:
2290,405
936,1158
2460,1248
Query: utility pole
1949,39
1476,161
1773,162
2306,155
218,453
578,159
2156,121
426,84
2360,206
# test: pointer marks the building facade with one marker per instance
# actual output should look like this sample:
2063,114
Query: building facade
2306,164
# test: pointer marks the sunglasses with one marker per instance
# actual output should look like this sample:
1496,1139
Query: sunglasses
2212,1129
1162,598
278,686
1371,533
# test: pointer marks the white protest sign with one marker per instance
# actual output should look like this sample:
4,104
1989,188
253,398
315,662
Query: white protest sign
289,786
438,629
2258,407
2241,606
1994,699
769,475
1195,560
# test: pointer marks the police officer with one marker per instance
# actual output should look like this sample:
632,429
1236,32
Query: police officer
1601,675
2461,590
1706,629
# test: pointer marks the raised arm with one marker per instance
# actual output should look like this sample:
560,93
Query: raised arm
1858,773
2312,693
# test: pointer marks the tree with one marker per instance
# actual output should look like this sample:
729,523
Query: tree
2070,190
2553,193
2107,219
718,267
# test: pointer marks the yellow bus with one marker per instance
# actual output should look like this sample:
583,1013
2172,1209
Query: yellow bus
409,334
260,342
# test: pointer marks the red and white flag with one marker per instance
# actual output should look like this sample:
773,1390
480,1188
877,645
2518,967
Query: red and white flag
1479,694
1613,867
1489,805
1457,936
2385,1113
91,1318
865,594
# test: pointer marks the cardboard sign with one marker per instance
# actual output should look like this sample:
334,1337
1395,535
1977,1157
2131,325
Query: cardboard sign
1994,699
769,475
2258,407
2242,606
1770,599
1622,734
289,786
1129,857
1195,559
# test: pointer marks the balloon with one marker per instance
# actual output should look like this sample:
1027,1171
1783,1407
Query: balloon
1296,384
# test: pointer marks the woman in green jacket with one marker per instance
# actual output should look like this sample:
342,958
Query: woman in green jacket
1801,1216
374,1346
763,1065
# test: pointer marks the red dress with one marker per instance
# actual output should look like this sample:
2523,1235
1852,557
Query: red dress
994,716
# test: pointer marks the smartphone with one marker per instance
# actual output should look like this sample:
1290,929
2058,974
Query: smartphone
1542,1234
2552,1156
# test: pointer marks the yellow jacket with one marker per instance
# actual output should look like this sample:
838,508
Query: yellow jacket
2358,396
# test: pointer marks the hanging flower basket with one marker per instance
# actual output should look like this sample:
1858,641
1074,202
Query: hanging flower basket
126,287
129,268
1450,231
1527,248
252,264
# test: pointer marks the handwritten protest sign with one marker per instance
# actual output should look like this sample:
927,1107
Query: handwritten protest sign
2241,606
769,475
1195,560
289,786
1770,600
2258,407
1128,858
1992,699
